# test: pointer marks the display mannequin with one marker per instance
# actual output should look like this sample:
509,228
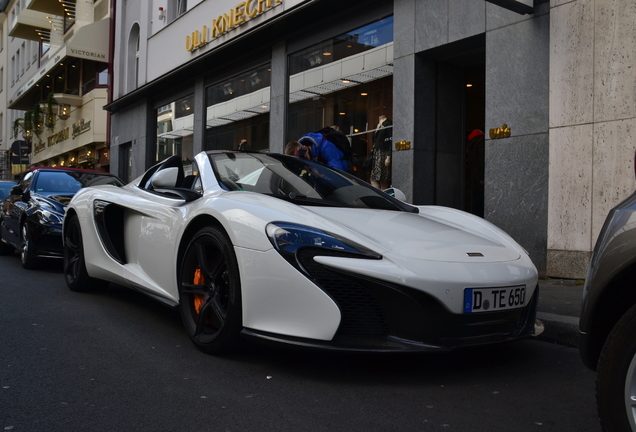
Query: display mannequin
382,139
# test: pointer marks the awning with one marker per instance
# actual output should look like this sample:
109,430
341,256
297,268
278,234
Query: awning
90,42
29,24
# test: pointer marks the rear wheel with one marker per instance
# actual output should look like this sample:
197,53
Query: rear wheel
77,278
27,251
210,293
616,377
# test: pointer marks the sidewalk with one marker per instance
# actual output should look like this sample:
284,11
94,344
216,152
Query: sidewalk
559,310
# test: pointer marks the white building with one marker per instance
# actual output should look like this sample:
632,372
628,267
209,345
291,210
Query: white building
58,80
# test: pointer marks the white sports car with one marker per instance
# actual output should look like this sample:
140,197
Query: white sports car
283,249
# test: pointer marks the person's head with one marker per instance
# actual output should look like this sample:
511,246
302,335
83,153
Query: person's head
295,148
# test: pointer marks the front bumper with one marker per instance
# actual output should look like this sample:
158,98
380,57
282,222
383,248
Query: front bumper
381,316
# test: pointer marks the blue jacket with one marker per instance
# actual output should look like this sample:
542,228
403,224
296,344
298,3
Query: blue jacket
324,151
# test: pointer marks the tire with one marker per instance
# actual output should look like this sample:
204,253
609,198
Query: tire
210,293
616,377
77,278
27,249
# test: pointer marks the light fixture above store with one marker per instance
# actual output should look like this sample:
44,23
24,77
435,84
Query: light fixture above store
63,111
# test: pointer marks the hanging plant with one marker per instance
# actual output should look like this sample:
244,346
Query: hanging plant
49,116
35,119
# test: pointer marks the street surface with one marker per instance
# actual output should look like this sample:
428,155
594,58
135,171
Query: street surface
115,360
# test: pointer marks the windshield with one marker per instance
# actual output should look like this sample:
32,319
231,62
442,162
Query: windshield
69,182
298,180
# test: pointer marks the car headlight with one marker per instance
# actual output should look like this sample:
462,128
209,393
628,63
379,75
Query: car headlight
289,239
50,217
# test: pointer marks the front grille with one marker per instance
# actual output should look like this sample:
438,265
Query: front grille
361,313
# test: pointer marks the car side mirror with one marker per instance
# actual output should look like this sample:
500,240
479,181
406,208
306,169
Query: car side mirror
26,196
16,190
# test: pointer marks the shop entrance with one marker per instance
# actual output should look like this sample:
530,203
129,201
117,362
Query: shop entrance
459,75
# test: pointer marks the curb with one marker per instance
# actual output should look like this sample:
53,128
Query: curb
560,329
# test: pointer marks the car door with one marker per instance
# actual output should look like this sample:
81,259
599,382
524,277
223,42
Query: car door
14,209
152,233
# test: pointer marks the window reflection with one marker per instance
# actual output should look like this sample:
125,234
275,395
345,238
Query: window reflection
175,126
346,81
238,111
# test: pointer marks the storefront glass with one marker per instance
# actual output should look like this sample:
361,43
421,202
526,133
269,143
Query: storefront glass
237,110
175,126
346,81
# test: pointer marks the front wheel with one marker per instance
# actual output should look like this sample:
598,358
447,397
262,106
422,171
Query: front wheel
77,278
27,251
616,377
210,292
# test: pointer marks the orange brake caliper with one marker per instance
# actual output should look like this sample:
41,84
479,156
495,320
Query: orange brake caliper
198,298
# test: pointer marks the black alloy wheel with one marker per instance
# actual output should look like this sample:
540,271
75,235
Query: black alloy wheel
77,278
27,249
210,293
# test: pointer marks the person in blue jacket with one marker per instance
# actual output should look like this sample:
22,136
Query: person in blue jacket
324,151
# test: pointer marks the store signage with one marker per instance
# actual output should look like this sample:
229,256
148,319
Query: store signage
58,137
88,54
402,145
80,127
240,14
502,132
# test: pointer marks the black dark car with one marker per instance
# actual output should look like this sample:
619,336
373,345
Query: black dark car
608,318
5,188
32,213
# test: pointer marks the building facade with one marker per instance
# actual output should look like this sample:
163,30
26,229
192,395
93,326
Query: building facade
57,83
492,105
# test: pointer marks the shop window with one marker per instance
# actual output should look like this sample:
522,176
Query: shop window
175,126
325,92
73,78
237,109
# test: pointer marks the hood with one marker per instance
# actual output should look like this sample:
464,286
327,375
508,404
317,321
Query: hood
418,236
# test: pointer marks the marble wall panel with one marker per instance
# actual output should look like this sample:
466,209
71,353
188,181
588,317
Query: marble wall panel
465,18
431,24
517,77
516,191
571,63
570,200
614,144
404,22
614,60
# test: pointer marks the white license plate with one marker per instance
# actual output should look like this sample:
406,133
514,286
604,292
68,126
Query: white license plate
494,299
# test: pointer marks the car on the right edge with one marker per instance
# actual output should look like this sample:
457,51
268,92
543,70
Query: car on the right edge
608,318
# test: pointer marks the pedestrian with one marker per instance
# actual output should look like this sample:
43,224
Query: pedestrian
294,148
325,151
243,146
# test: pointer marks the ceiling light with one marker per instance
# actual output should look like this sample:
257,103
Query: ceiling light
469,85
